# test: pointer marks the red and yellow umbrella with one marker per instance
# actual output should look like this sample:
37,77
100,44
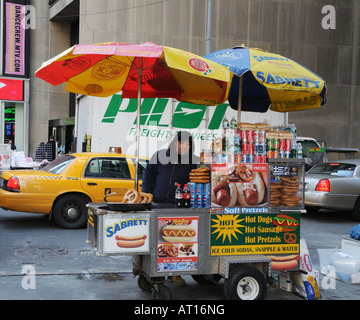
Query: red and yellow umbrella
140,71
108,68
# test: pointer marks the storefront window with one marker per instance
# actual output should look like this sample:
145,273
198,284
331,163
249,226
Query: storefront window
9,123
12,122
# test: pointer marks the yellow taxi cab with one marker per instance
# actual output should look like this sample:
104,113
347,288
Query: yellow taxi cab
64,187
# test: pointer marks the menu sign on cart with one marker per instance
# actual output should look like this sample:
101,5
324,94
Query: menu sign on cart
267,234
126,233
240,185
177,248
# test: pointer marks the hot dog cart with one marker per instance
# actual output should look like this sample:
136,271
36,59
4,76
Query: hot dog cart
242,244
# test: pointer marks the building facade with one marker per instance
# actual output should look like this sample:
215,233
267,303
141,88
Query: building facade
323,35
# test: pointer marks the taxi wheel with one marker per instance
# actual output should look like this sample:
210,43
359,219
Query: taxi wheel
70,211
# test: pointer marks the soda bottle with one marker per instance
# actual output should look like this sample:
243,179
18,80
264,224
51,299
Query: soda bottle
207,200
293,150
293,130
192,189
186,196
225,124
299,151
178,196
233,123
202,157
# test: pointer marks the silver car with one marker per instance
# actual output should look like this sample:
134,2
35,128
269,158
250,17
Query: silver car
334,185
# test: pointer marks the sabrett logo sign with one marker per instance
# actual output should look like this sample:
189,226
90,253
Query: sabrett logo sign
112,229
295,82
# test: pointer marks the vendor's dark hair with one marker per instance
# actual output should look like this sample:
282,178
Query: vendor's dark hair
186,136
181,136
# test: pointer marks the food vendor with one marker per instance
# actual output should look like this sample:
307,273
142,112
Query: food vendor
166,168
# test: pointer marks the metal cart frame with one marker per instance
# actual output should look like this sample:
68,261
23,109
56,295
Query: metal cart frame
246,275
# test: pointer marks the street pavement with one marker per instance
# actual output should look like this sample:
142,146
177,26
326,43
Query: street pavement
67,268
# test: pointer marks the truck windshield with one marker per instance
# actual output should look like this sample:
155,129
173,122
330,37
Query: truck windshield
334,169
306,144
59,164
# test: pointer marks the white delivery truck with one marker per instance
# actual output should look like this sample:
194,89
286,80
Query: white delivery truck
314,151
111,122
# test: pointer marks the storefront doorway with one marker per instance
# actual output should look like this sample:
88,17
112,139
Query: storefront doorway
62,130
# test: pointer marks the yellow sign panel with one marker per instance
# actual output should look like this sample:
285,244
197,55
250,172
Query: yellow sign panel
241,234
254,249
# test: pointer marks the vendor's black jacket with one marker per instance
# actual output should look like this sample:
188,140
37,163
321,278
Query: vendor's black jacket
165,169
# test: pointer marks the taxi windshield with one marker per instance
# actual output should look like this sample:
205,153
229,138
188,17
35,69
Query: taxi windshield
59,164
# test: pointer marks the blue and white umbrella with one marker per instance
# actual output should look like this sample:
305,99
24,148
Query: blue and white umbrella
266,80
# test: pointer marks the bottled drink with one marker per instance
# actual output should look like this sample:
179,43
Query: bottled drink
206,199
299,151
293,130
202,156
186,196
224,143
178,196
225,123
233,123
199,195
192,191
293,150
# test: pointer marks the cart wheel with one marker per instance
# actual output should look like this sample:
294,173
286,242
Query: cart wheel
206,280
245,283
144,284
161,293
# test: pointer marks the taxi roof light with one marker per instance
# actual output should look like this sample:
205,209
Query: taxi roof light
115,149
13,184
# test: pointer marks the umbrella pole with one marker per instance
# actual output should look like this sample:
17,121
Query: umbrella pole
239,99
138,125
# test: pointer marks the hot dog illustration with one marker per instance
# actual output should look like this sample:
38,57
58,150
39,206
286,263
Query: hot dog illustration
281,263
178,233
130,242
250,194
286,222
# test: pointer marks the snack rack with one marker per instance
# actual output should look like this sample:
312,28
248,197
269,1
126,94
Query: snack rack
234,243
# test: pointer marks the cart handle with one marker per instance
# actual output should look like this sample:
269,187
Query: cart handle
109,194
293,210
